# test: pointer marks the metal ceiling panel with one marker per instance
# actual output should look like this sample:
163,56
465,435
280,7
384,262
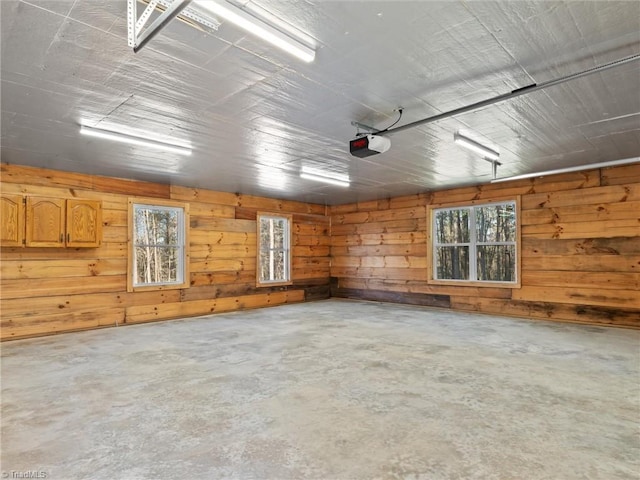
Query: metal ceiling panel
256,116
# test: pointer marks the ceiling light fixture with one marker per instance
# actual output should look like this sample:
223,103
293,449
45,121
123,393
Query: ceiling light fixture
259,28
317,178
612,163
321,176
475,146
134,140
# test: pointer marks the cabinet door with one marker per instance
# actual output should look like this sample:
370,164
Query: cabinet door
45,222
84,223
12,220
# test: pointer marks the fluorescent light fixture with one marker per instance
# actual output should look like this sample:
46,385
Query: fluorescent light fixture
611,163
134,140
317,178
475,146
259,28
316,175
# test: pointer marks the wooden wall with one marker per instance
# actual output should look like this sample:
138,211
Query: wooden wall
50,290
580,254
580,249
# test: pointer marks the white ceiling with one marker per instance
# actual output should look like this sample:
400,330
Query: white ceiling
255,115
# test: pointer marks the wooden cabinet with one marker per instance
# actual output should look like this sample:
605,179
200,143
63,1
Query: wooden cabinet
12,220
84,223
50,222
45,222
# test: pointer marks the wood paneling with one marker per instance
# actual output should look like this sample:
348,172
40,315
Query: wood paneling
38,177
42,287
152,312
22,327
45,290
53,268
580,253
620,175
598,315
393,297
381,250
580,248
418,286
583,264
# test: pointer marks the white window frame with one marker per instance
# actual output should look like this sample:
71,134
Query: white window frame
286,249
473,244
182,280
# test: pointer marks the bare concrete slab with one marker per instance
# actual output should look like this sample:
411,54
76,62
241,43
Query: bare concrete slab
327,390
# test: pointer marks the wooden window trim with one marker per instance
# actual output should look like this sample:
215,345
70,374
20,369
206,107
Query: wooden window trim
130,245
475,283
289,218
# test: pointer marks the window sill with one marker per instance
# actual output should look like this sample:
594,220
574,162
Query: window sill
273,284
151,288
472,283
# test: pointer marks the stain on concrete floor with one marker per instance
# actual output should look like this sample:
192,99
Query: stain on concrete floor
334,389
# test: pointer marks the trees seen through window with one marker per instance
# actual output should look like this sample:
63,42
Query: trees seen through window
475,243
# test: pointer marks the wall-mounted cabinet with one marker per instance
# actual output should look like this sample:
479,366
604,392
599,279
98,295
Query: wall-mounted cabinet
45,222
84,223
50,222
12,220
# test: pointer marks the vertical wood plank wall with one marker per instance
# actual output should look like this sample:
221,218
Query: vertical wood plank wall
580,249
45,290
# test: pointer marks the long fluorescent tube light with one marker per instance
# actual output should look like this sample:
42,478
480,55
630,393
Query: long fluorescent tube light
332,181
133,140
259,28
475,146
611,163
316,175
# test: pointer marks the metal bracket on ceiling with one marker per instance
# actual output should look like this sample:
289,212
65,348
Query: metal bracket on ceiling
494,166
138,36
362,126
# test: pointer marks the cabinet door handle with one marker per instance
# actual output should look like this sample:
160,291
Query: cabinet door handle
68,237
61,237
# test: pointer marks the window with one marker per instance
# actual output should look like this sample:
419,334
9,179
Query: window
274,251
475,243
157,254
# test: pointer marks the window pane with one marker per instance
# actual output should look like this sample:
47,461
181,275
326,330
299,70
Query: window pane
496,223
273,232
273,266
497,263
140,225
279,266
452,263
452,226
156,226
264,232
265,261
157,264
279,229
169,227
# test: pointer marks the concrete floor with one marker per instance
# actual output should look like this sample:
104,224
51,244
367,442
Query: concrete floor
327,390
